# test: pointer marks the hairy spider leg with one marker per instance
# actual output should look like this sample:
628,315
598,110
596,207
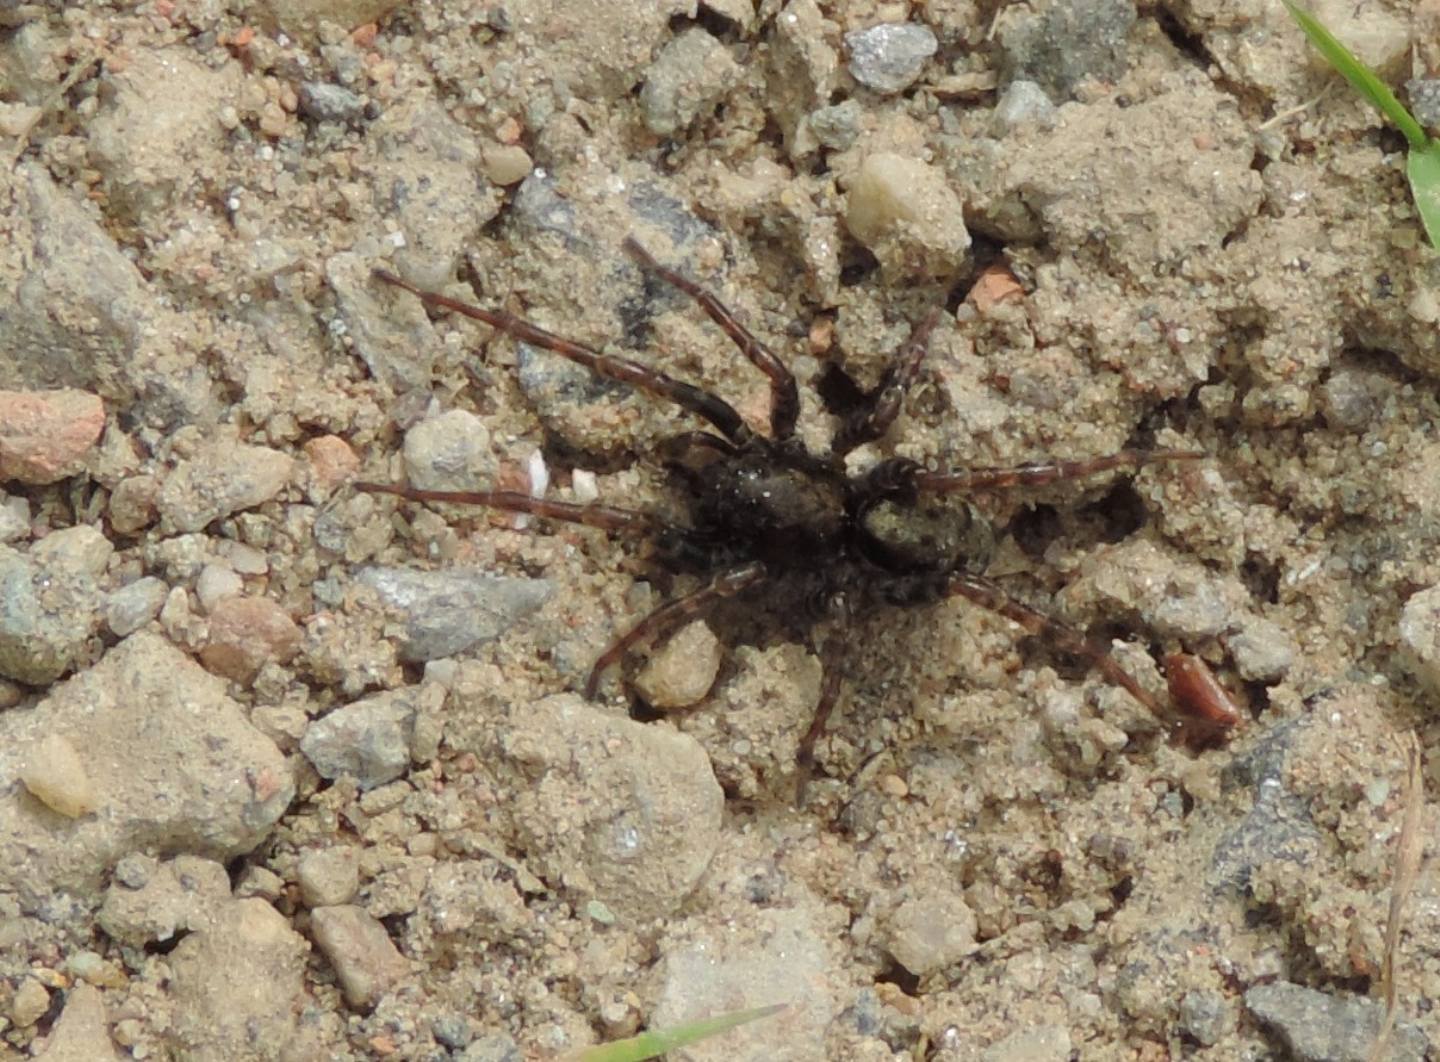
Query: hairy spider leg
870,423
604,517
674,614
784,395
988,595
832,678
1042,472
687,396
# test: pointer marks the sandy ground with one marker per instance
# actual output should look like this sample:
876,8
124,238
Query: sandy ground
270,790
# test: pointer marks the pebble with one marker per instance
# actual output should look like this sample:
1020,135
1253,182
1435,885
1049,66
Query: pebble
837,127
45,435
1262,651
906,213
1060,44
688,78
178,895
245,634
31,1001
50,604
681,670
930,932
133,504
215,583
889,58
1319,1027
629,814
1420,636
365,959
447,612
1035,1043
1022,103
223,478
325,102
1206,1015
181,766
328,877
506,164
450,451
55,775
14,517
332,462
246,945
134,605
82,1034
369,740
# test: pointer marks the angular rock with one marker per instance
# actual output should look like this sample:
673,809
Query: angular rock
369,740
890,57
82,1033
134,605
221,479
690,75
44,435
906,213
181,894
447,612
363,955
50,604
245,634
1318,1027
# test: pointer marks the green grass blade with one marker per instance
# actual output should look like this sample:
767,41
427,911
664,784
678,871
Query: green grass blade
1423,169
658,1041
1359,75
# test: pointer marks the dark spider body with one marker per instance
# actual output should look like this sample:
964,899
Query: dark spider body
767,515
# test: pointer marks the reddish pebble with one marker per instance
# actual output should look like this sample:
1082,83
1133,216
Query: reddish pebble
332,461
246,632
44,435
1207,707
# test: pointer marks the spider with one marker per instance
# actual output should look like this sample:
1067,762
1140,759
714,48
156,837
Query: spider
768,518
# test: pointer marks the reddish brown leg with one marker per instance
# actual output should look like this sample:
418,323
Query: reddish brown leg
831,681
875,421
604,517
987,595
1042,472
687,396
784,397
674,614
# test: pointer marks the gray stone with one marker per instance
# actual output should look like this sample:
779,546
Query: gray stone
134,605
368,740
1060,44
1420,636
889,57
48,612
1022,103
837,127
447,612
689,76
1318,1027
1206,1016
223,478
450,451
329,103
1263,651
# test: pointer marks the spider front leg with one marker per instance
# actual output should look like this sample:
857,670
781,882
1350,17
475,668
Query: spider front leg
784,395
603,517
672,615
988,595
721,415
1039,473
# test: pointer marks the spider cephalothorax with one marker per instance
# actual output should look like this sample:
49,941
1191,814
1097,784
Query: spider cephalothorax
768,517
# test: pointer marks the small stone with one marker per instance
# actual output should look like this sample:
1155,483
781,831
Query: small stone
47,616
55,775
690,75
506,164
1262,651
449,452
837,127
1420,636
1037,1043
1317,1026
246,633
133,504
370,739
134,605
682,670
904,211
82,1034
223,478
1206,1016
181,894
1022,103
215,583
362,953
44,435
329,103
928,933
332,461
328,877
31,1001
1061,44
889,58
14,517
447,612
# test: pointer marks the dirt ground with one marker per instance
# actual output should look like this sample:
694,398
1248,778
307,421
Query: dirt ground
291,771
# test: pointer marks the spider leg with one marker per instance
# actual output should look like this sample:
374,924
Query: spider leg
784,396
988,595
832,679
604,517
874,421
674,614
1042,472
687,396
